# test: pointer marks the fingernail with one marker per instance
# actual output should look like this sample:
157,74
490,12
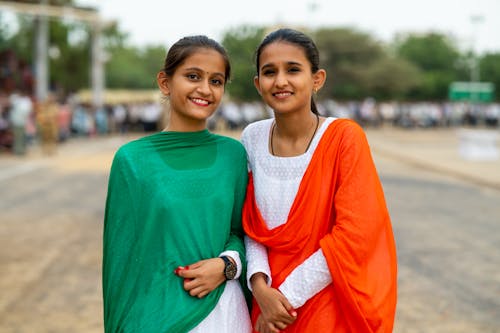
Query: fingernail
176,271
187,267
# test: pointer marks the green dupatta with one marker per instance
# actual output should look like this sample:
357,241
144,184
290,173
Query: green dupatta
174,198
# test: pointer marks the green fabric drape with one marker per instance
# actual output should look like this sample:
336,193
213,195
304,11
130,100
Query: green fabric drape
174,198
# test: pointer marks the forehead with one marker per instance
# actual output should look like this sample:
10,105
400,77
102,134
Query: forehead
208,60
280,51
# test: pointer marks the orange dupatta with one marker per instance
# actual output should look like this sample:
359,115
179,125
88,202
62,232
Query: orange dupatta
340,207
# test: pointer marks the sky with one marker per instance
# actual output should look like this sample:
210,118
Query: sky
474,24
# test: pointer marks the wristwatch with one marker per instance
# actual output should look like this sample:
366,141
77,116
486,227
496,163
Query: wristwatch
229,268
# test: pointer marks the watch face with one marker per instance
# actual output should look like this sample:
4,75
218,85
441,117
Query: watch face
230,271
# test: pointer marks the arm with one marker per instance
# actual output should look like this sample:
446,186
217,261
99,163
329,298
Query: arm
257,261
119,232
277,312
204,276
306,280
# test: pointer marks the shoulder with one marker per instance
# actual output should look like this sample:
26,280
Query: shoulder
346,128
131,150
255,131
232,145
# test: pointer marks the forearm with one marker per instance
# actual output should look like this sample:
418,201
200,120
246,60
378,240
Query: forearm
257,261
306,280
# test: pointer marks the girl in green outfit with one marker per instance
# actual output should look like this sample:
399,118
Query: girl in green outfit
173,249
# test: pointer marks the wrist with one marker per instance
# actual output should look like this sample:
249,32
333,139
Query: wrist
230,268
258,280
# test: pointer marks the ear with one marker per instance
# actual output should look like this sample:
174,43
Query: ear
319,79
257,84
162,81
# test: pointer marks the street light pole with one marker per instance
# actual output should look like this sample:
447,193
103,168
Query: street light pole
474,74
41,56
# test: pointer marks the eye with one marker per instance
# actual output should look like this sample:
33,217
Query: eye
294,69
217,82
193,76
268,72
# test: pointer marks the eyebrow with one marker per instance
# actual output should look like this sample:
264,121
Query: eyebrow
201,70
290,63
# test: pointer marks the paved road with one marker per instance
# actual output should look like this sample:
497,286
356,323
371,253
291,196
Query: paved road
447,233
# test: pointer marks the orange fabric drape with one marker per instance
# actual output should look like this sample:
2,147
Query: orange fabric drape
340,208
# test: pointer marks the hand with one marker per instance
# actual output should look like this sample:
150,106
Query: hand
202,277
276,311
262,326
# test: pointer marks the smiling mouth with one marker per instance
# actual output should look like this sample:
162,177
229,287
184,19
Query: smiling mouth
282,94
199,101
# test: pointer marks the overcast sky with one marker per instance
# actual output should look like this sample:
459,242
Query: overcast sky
165,21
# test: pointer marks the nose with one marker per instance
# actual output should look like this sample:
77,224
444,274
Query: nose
204,87
281,80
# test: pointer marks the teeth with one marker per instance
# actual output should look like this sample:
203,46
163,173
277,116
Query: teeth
200,101
282,94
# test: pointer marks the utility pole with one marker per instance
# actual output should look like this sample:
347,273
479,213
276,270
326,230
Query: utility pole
474,62
41,56
474,74
97,68
42,13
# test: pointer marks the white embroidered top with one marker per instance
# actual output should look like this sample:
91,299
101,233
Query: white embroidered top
276,182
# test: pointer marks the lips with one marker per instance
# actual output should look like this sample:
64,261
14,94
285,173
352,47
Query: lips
200,101
282,94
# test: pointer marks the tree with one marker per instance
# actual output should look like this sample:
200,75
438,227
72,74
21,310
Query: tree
133,68
241,43
437,57
390,78
347,55
490,71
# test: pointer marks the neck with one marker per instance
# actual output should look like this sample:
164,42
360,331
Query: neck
295,137
294,126
177,124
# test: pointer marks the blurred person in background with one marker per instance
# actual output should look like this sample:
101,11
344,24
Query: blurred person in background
173,239
21,108
47,124
64,120
320,247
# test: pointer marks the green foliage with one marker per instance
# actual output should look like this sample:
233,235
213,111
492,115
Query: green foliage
390,78
413,67
240,44
438,59
490,71
358,66
132,68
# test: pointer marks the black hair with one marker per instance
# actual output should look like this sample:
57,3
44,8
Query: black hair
186,46
298,39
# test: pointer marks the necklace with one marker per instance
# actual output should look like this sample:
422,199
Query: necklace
310,140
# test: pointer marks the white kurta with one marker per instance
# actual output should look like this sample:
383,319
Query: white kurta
231,312
276,182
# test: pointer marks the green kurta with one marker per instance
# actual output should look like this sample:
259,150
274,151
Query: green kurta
174,198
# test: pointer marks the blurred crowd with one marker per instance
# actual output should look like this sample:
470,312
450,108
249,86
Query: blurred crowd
23,122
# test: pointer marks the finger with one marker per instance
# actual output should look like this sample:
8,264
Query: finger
272,328
187,274
281,325
286,318
196,291
178,269
289,308
190,284
195,265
